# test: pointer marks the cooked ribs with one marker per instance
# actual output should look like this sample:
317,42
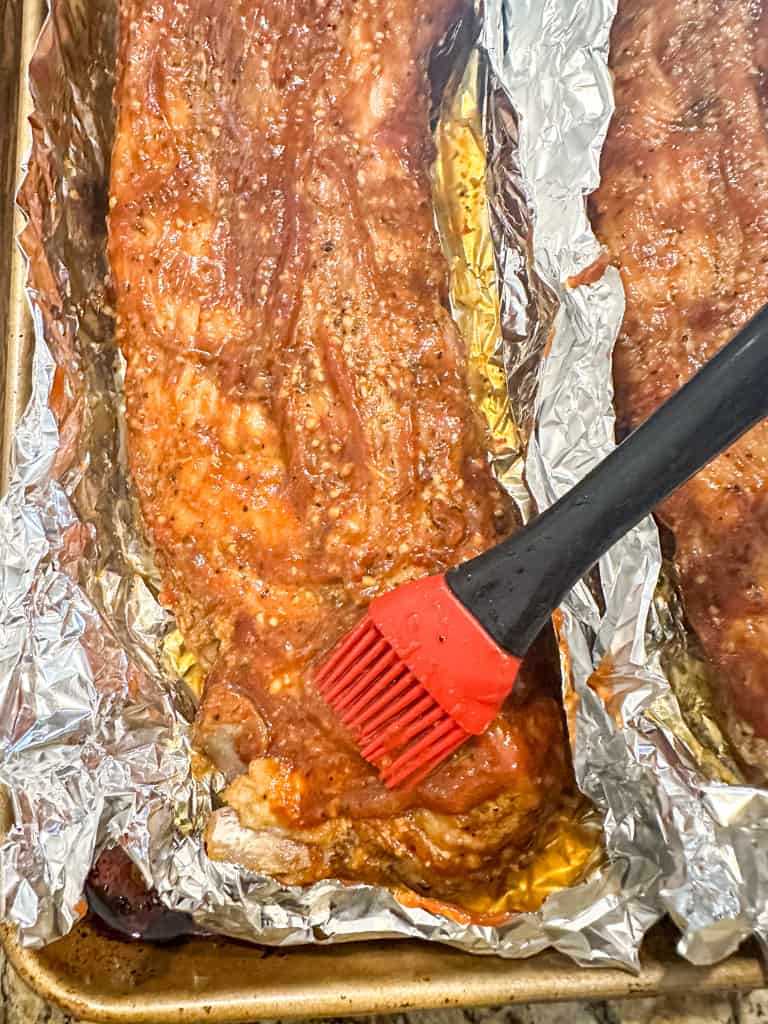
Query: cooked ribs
301,427
683,210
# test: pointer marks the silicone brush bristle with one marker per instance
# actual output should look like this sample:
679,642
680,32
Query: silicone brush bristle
400,728
414,679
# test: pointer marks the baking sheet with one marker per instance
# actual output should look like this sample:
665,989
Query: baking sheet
102,979
598,923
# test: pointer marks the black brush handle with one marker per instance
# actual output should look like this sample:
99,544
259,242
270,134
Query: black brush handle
513,588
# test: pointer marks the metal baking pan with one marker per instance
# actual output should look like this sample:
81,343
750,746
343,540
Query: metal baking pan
106,979
19,26
102,978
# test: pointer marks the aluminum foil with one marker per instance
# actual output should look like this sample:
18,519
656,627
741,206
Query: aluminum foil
95,725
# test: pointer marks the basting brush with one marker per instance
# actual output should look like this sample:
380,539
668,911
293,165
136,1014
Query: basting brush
433,660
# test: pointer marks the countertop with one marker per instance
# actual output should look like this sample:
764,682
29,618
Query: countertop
18,1005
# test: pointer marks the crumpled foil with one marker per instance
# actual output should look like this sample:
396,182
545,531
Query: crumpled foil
95,725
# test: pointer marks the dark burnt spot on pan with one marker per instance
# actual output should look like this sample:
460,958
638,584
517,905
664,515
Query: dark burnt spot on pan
123,905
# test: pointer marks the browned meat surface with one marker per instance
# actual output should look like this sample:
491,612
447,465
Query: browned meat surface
300,424
683,209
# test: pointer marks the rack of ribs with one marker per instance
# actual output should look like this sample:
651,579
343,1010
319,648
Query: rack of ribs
683,212
301,427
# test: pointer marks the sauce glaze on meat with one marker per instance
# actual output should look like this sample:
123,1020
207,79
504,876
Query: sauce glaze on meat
683,210
300,424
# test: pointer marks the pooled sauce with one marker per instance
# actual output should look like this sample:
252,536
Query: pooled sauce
300,425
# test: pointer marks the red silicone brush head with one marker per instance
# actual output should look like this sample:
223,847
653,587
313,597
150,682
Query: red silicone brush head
398,725
415,679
